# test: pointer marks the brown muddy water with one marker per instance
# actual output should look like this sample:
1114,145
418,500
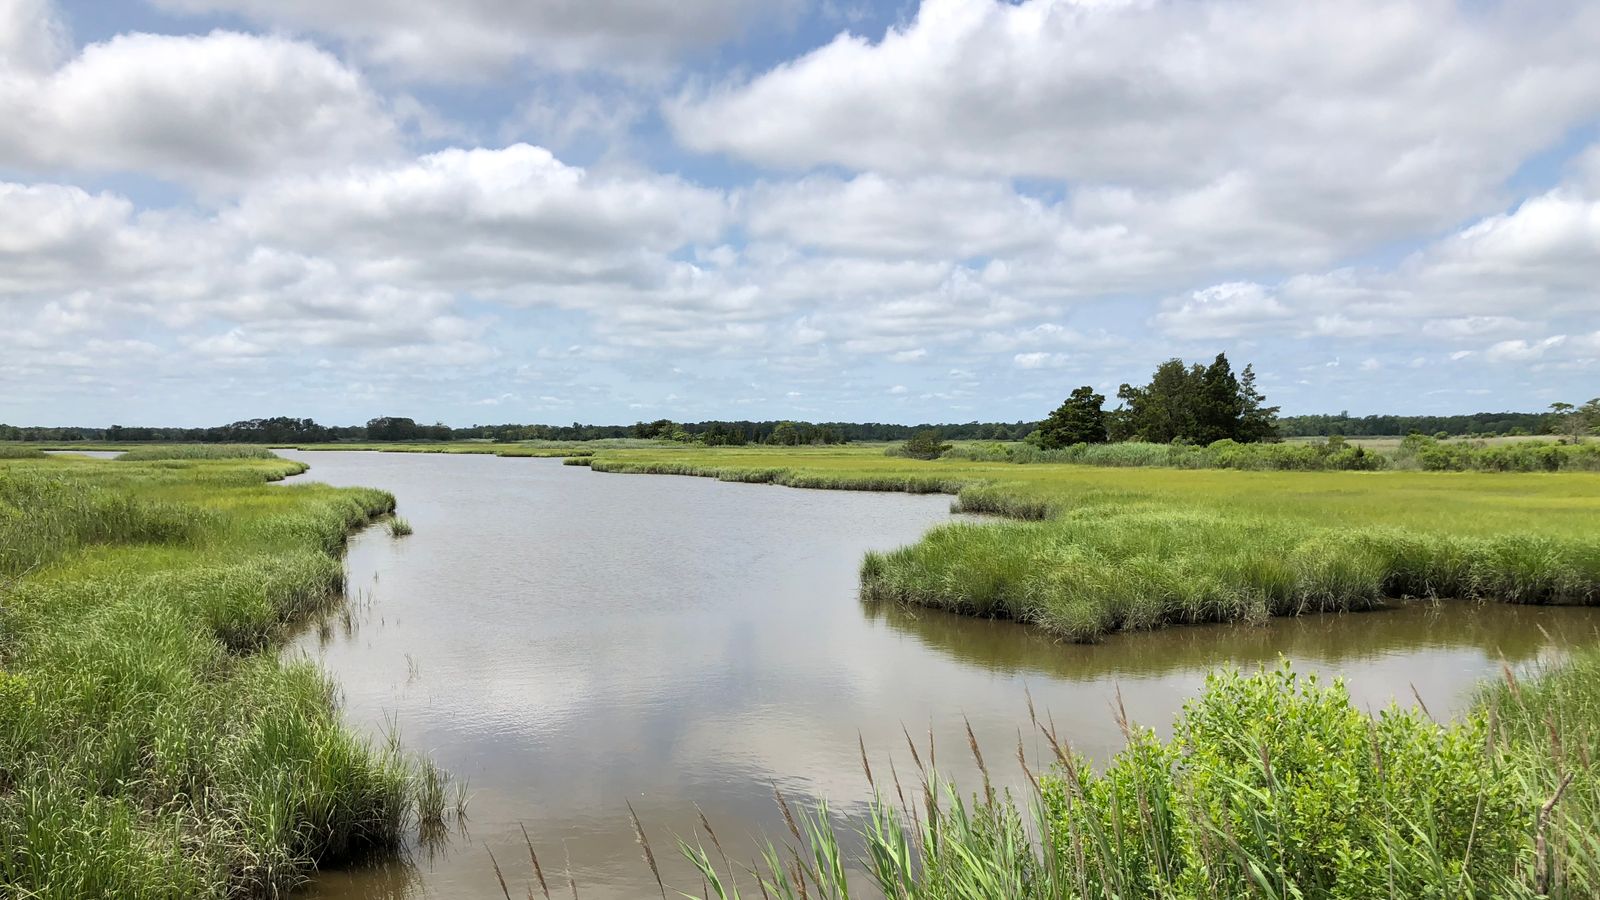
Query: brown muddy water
571,642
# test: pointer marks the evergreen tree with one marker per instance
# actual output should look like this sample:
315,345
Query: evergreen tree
1218,406
1257,421
1163,410
1079,420
1198,404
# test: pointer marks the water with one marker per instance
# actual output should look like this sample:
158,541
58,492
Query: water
92,454
572,642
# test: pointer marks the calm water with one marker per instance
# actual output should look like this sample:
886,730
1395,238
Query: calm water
572,642
92,454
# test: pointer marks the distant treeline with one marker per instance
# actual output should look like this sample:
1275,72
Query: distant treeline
1498,423
287,430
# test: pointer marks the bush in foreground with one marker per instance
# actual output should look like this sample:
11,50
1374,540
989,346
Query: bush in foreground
1272,786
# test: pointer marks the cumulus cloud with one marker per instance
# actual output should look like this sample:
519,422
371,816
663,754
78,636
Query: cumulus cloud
1370,116
870,215
208,110
1503,276
1040,360
1002,187
1223,310
504,221
32,37
427,39
51,235
1523,351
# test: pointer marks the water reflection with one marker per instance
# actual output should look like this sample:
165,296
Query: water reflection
1493,630
572,642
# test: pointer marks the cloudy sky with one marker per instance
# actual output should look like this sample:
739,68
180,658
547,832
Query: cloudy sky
607,210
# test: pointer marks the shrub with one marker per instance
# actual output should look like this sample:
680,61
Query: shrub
925,444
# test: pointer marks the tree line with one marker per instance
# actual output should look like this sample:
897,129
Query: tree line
288,430
1487,424
1193,404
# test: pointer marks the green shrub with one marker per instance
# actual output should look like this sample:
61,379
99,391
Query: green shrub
1272,786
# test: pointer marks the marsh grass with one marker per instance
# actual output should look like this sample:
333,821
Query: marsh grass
147,749
1092,571
17,451
1272,786
527,449
1414,453
196,451
398,526
1098,549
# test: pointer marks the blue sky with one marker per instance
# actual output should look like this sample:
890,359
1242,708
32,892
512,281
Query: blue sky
937,211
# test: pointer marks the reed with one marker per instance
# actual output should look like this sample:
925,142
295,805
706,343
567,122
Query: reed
398,526
1272,786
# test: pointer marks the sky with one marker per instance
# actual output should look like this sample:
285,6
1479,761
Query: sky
490,211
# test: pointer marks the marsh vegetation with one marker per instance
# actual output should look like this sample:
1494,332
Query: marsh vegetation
1273,785
148,748
1096,550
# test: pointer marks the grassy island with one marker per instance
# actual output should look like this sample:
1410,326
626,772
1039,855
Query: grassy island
1082,550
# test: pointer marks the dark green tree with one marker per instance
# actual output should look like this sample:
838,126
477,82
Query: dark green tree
1218,406
1163,410
1257,421
925,444
1198,404
1081,419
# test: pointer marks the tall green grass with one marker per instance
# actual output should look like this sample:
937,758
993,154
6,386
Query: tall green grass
196,451
1102,569
1272,786
16,451
147,749
1415,453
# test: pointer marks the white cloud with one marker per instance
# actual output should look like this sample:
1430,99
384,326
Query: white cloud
1523,351
208,110
869,215
32,37
430,40
508,221
1502,276
1461,327
1330,115
1221,311
1040,360
51,235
